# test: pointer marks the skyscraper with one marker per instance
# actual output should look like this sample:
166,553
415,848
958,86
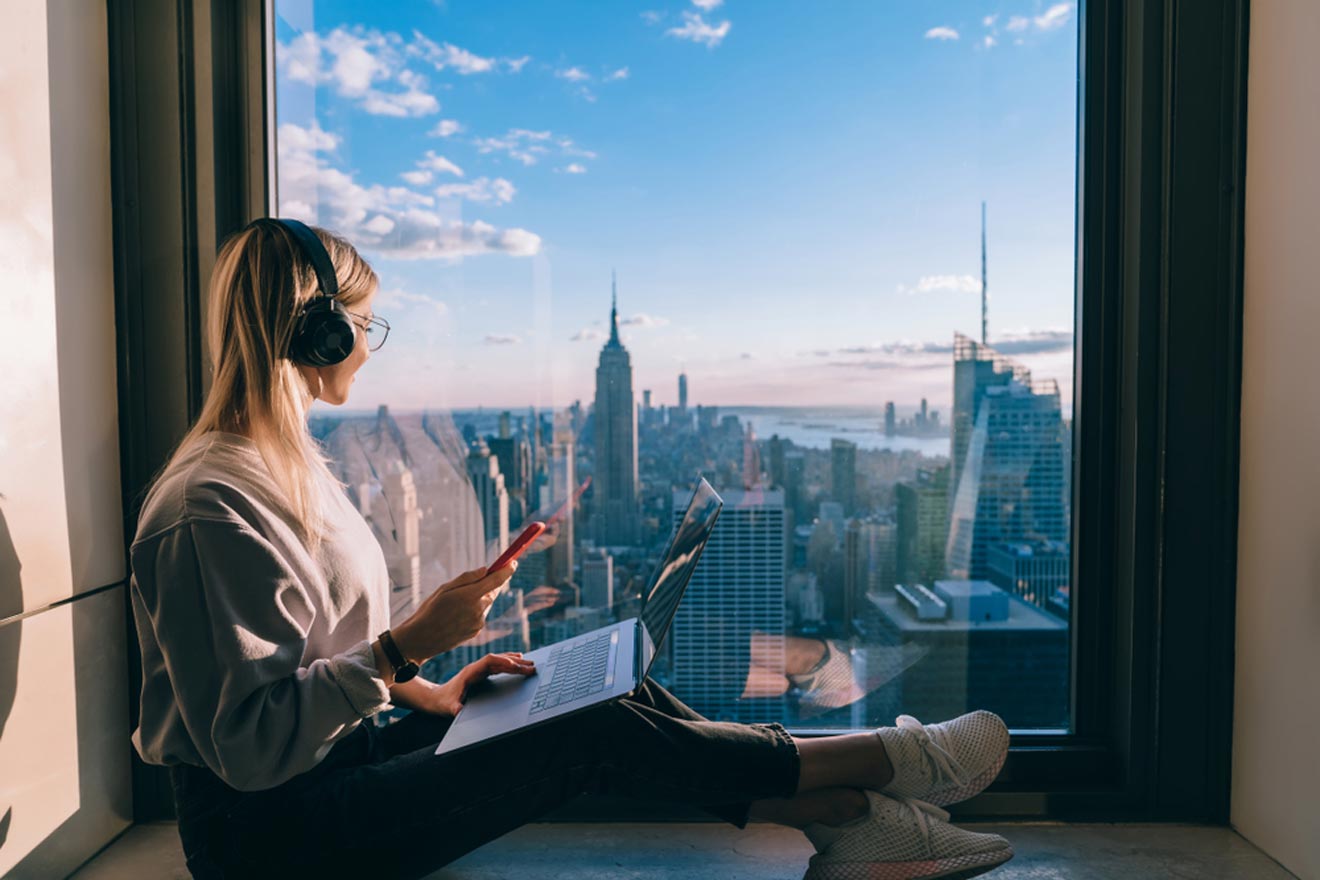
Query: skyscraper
493,499
682,392
561,483
843,473
751,469
976,367
615,503
1031,570
1011,478
737,588
514,454
891,420
598,580
923,527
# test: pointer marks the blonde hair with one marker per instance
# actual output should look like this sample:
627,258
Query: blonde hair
259,284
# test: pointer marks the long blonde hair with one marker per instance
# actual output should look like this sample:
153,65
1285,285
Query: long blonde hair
260,281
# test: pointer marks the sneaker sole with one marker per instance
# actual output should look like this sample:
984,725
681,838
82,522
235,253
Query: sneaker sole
956,868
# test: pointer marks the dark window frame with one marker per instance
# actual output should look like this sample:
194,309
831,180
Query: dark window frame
1161,138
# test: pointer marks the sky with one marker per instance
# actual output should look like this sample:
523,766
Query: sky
789,193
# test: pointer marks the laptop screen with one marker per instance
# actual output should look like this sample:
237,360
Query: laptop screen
661,602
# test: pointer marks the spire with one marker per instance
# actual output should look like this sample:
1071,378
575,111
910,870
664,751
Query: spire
985,333
614,310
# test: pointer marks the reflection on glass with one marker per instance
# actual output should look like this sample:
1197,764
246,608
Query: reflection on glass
801,248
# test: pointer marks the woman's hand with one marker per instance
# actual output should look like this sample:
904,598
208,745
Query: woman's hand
447,698
451,615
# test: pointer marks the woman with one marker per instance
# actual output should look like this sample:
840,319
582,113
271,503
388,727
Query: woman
260,598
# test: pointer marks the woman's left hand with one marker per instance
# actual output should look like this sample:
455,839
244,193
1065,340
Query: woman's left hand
447,698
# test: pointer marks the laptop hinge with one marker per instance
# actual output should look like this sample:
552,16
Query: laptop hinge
639,637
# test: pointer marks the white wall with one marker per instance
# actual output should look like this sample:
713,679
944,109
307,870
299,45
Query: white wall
64,749
1276,766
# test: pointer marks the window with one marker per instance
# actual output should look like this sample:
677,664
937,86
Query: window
823,258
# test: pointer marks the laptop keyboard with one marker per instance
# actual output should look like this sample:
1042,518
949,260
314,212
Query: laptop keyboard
580,670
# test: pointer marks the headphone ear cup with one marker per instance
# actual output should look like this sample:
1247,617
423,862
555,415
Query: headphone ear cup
324,335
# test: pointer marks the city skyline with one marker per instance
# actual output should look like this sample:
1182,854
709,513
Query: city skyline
495,171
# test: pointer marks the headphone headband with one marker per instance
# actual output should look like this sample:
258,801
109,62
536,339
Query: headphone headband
313,249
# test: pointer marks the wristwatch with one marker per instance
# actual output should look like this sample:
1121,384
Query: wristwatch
404,668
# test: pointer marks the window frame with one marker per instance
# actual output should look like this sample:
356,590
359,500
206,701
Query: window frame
1157,369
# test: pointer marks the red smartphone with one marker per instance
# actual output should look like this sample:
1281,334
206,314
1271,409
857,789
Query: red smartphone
519,545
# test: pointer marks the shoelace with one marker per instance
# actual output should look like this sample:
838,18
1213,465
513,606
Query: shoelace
936,747
920,810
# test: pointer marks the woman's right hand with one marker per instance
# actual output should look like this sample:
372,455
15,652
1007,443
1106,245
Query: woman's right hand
451,615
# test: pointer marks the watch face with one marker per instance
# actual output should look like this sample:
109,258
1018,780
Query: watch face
405,672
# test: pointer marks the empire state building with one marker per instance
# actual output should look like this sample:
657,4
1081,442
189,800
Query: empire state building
616,515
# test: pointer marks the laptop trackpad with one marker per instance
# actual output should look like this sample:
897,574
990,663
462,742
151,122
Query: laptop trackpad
498,693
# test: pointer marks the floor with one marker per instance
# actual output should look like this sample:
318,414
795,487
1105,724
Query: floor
1045,851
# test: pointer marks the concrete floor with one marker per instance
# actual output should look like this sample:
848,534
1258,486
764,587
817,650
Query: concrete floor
1045,851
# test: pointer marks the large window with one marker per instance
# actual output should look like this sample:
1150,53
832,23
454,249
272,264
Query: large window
821,255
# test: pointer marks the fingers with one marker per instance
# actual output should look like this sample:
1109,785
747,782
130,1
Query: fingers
487,583
465,579
513,662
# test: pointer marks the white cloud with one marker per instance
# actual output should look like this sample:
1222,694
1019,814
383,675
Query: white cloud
932,283
573,74
433,162
1018,23
1024,342
989,41
445,127
417,178
293,137
572,149
941,33
642,319
392,221
575,168
652,17
483,189
379,225
707,5
587,334
443,56
989,20
696,29
397,298
621,73
527,146
1054,17
516,65
365,66
502,339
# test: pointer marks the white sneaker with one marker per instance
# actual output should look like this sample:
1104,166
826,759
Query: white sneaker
901,840
944,763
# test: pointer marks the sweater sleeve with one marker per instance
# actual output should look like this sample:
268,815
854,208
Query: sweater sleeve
231,620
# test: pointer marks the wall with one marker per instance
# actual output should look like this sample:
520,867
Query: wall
1276,771
64,748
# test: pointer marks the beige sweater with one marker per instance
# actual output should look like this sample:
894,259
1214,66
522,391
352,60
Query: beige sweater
256,656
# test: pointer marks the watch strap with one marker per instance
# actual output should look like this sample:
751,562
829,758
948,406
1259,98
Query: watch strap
401,664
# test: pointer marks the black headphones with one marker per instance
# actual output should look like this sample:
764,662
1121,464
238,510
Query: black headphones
324,334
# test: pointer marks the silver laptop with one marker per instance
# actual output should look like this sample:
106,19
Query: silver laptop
596,667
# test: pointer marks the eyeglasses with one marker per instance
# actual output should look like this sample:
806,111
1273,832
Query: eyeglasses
374,327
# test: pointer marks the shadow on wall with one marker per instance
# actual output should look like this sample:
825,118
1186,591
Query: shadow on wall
11,635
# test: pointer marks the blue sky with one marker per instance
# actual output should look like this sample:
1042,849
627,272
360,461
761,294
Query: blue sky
789,191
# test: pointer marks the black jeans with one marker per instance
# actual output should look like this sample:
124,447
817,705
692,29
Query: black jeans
383,802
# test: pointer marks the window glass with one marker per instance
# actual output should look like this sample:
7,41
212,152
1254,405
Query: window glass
822,255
